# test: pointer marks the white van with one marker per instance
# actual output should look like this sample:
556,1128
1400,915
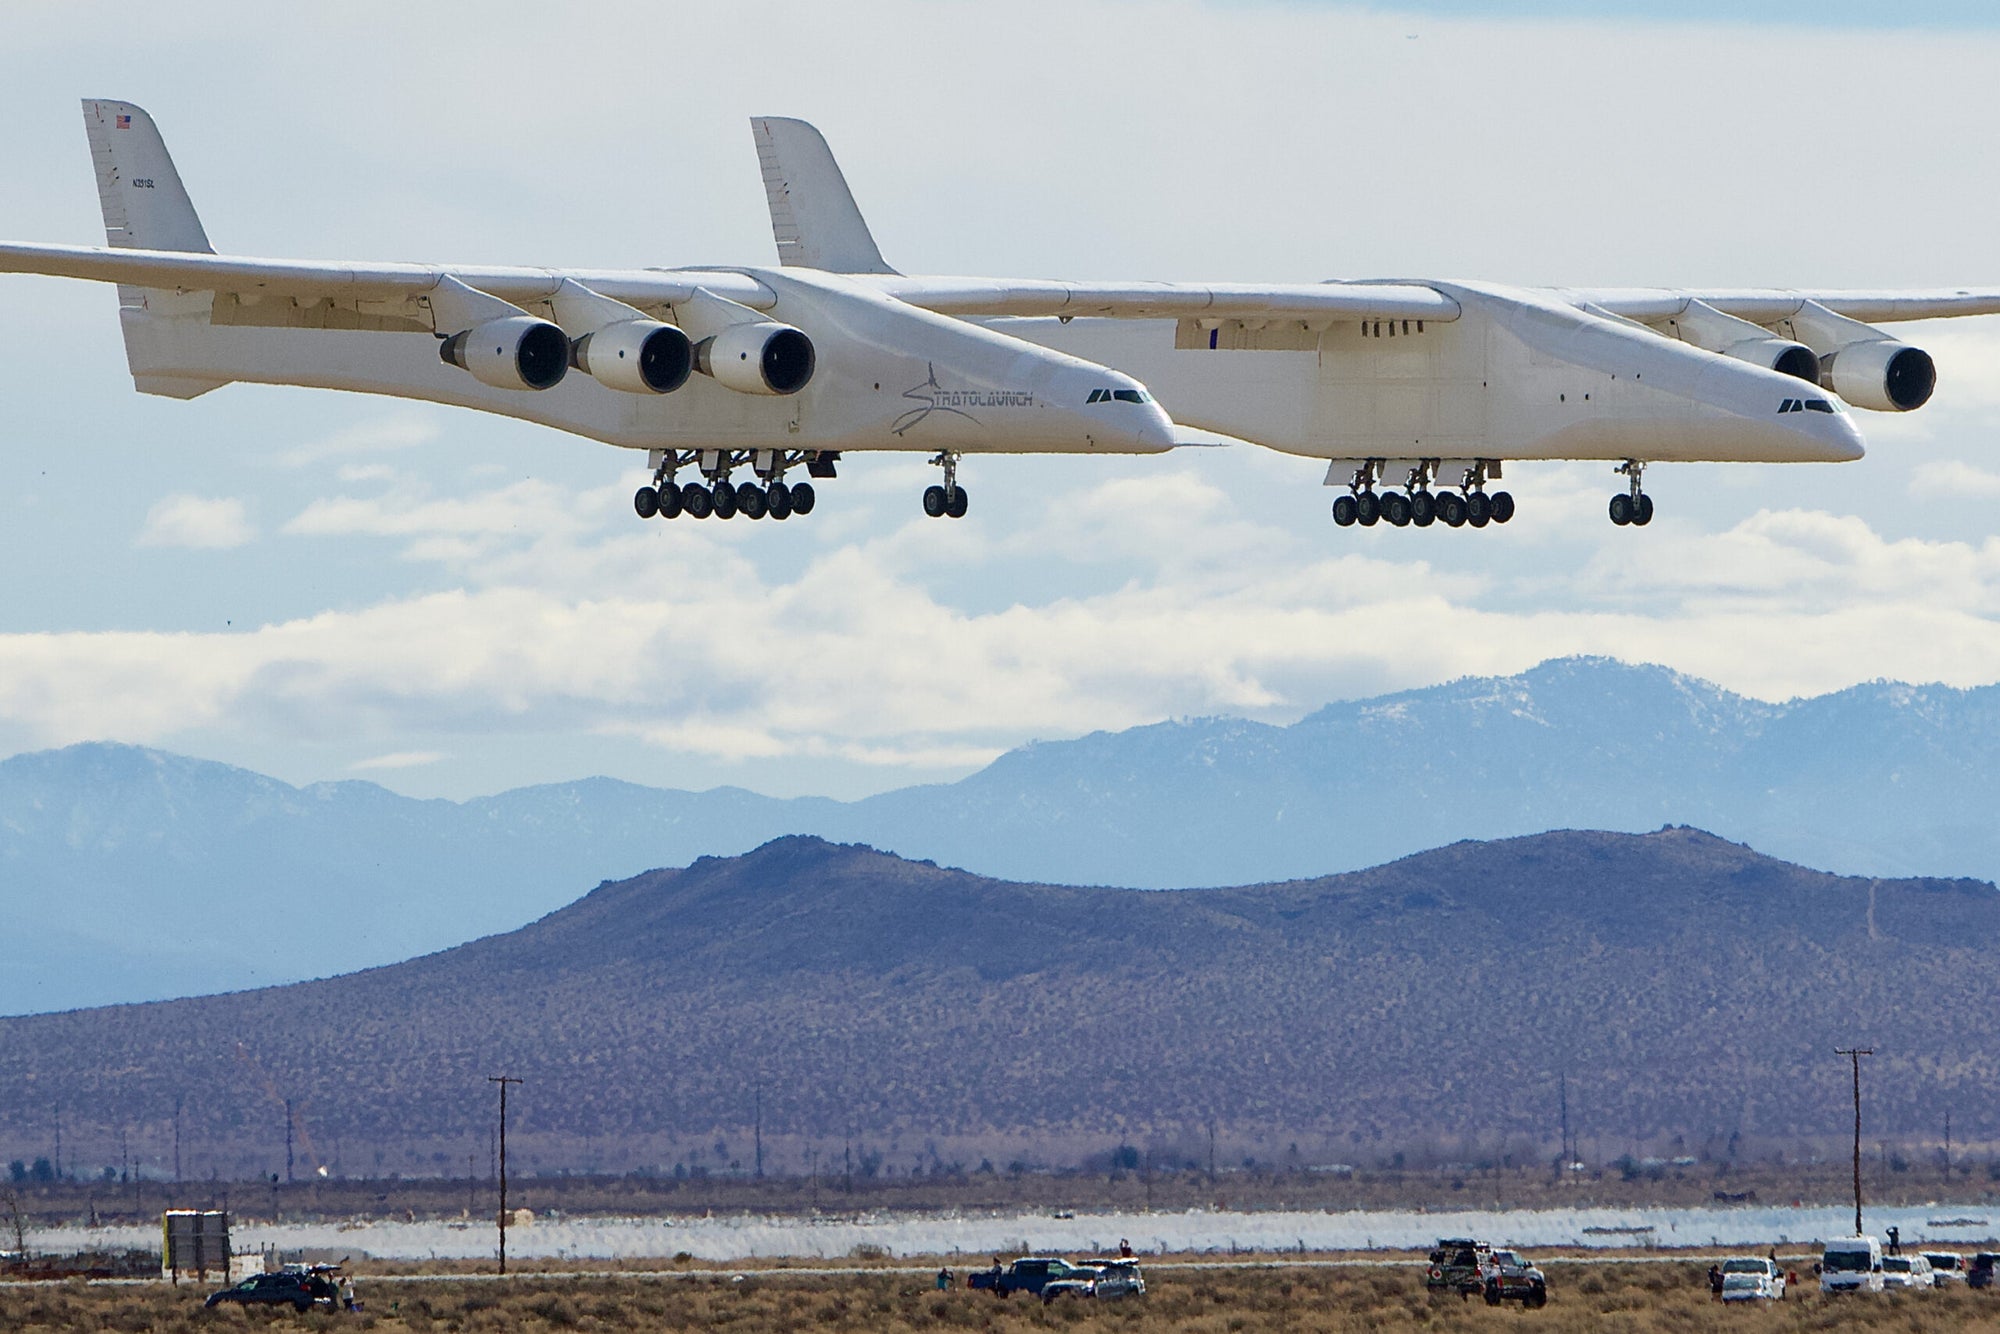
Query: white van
1851,1264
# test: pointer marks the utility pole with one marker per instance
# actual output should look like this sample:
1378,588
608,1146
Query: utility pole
177,1139
503,1081
1211,1153
1947,1144
1855,1054
58,1162
760,1132
1563,1086
288,1141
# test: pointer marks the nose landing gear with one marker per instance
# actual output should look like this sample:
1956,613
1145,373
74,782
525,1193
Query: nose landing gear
1634,507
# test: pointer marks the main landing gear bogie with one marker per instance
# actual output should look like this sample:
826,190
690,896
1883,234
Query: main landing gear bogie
1416,505
770,496
1633,507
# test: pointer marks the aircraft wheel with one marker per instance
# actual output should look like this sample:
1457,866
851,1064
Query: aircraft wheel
670,501
1423,509
955,507
750,500
724,498
646,502
1642,511
1451,509
1621,509
1478,509
934,502
696,500
1503,506
1345,511
778,500
1368,508
802,498
1396,509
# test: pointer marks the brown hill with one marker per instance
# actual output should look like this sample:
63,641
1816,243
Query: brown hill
1686,986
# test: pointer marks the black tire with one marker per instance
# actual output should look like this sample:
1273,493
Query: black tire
1503,506
1492,1294
723,498
1451,509
1396,509
778,500
802,498
934,502
1621,509
670,502
302,1305
1345,511
1539,1297
697,501
750,501
1642,513
1479,509
1368,509
1423,509
646,502
956,506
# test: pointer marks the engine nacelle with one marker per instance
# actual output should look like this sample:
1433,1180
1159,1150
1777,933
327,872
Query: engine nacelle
637,356
760,358
516,352
1705,326
1881,373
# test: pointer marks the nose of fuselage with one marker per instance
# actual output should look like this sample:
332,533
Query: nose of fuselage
1118,413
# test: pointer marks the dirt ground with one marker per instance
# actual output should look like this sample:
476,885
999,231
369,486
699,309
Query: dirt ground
1625,1298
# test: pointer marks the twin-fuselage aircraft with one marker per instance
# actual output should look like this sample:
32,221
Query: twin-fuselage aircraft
735,380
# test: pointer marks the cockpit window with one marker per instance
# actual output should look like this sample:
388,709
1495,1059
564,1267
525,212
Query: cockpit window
1119,395
1818,405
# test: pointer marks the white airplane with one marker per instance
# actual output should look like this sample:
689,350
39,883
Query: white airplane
1416,393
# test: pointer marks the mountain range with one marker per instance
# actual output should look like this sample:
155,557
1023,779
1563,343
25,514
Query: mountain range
132,874
832,995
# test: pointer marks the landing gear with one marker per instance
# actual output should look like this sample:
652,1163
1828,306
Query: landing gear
1635,507
768,495
1417,504
947,501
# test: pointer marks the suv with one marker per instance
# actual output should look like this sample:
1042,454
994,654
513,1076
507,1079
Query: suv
1028,1274
1455,1266
1907,1271
1947,1267
1117,1276
1506,1276
301,1292
1752,1278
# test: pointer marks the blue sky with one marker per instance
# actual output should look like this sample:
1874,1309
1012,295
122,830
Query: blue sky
1824,14
329,586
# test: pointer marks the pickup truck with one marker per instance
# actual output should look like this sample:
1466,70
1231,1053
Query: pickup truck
1506,1276
1028,1274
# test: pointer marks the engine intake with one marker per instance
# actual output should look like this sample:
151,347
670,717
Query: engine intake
516,352
637,356
1881,374
761,358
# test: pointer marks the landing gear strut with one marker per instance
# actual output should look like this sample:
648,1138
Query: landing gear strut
947,500
767,496
1635,507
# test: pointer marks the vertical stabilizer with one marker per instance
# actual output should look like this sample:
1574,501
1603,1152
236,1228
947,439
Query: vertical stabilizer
147,208
145,205
813,215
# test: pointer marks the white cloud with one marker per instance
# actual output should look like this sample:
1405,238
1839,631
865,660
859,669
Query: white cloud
403,430
1954,478
400,759
200,522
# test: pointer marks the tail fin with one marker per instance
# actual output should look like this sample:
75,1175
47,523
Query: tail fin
813,215
145,205
146,208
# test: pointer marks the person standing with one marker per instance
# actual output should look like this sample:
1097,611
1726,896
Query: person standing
943,1279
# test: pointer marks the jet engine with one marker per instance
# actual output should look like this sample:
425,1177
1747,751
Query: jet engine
757,358
1706,327
514,352
637,356
1864,365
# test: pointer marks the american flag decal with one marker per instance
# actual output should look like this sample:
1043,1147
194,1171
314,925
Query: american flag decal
124,122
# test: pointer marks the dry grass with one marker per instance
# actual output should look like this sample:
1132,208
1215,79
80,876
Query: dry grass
1622,1298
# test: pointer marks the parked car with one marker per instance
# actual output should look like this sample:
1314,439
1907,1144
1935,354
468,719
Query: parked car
1851,1264
1752,1278
1507,1277
1455,1266
1947,1267
1030,1273
301,1292
1117,1276
1907,1271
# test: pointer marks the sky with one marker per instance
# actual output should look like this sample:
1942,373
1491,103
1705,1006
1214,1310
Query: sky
325,586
